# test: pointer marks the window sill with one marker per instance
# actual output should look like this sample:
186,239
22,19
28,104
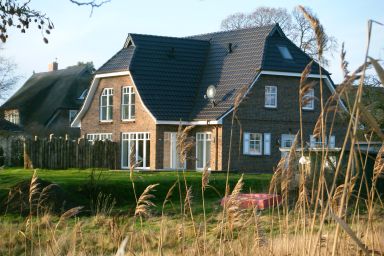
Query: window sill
106,122
128,120
269,107
308,109
252,154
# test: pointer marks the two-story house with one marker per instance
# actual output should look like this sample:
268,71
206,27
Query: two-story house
140,96
48,102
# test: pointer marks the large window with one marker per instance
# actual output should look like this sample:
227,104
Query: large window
128,103
203,150
270,97
136,146
316,142
106,105
309,100
99,136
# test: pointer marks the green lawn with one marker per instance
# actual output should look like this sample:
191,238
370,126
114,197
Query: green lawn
80,188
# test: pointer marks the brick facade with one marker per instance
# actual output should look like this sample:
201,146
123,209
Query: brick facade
252,116
285,119
143,122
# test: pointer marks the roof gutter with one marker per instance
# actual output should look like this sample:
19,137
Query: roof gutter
201,122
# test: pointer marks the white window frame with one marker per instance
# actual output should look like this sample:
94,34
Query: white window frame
108,93
270,96
136,136
72,114
130,105
311,103
316,142
287,138
250,138
99,136
205,137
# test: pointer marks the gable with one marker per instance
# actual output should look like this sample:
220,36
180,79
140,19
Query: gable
273,59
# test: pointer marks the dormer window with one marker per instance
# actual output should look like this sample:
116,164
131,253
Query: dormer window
83,94
285,52
12,116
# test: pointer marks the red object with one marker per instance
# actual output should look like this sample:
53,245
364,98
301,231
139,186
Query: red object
260,201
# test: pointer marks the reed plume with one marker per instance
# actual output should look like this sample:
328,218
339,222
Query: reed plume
144,202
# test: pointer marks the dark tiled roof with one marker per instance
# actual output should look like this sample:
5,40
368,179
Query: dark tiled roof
44,93
119,62
229,71
6,126
172,74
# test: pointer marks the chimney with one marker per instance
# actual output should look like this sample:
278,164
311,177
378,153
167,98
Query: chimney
230,48
53,66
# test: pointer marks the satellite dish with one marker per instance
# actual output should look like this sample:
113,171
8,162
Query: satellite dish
210,94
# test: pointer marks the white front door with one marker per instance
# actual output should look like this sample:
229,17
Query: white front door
203,150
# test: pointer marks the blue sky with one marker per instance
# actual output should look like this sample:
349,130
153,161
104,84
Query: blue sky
79,37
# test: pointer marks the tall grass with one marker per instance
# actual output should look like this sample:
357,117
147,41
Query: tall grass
323,211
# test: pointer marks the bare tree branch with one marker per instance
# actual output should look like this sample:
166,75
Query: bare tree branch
294,24
93,4
8,79
21,16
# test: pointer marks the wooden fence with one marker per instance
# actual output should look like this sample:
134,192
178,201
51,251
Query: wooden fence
63,153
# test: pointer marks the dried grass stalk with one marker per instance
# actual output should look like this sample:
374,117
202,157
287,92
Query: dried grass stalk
205,178
344,63
378,68
144,202
378,168
33,187
317,27
184,143
188,200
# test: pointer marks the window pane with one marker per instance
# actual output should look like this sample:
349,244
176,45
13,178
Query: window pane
207,153
103,113
109,116
125,99
133,111
147,153
140,153
125,153
132,106
124,114
103,100
200,154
